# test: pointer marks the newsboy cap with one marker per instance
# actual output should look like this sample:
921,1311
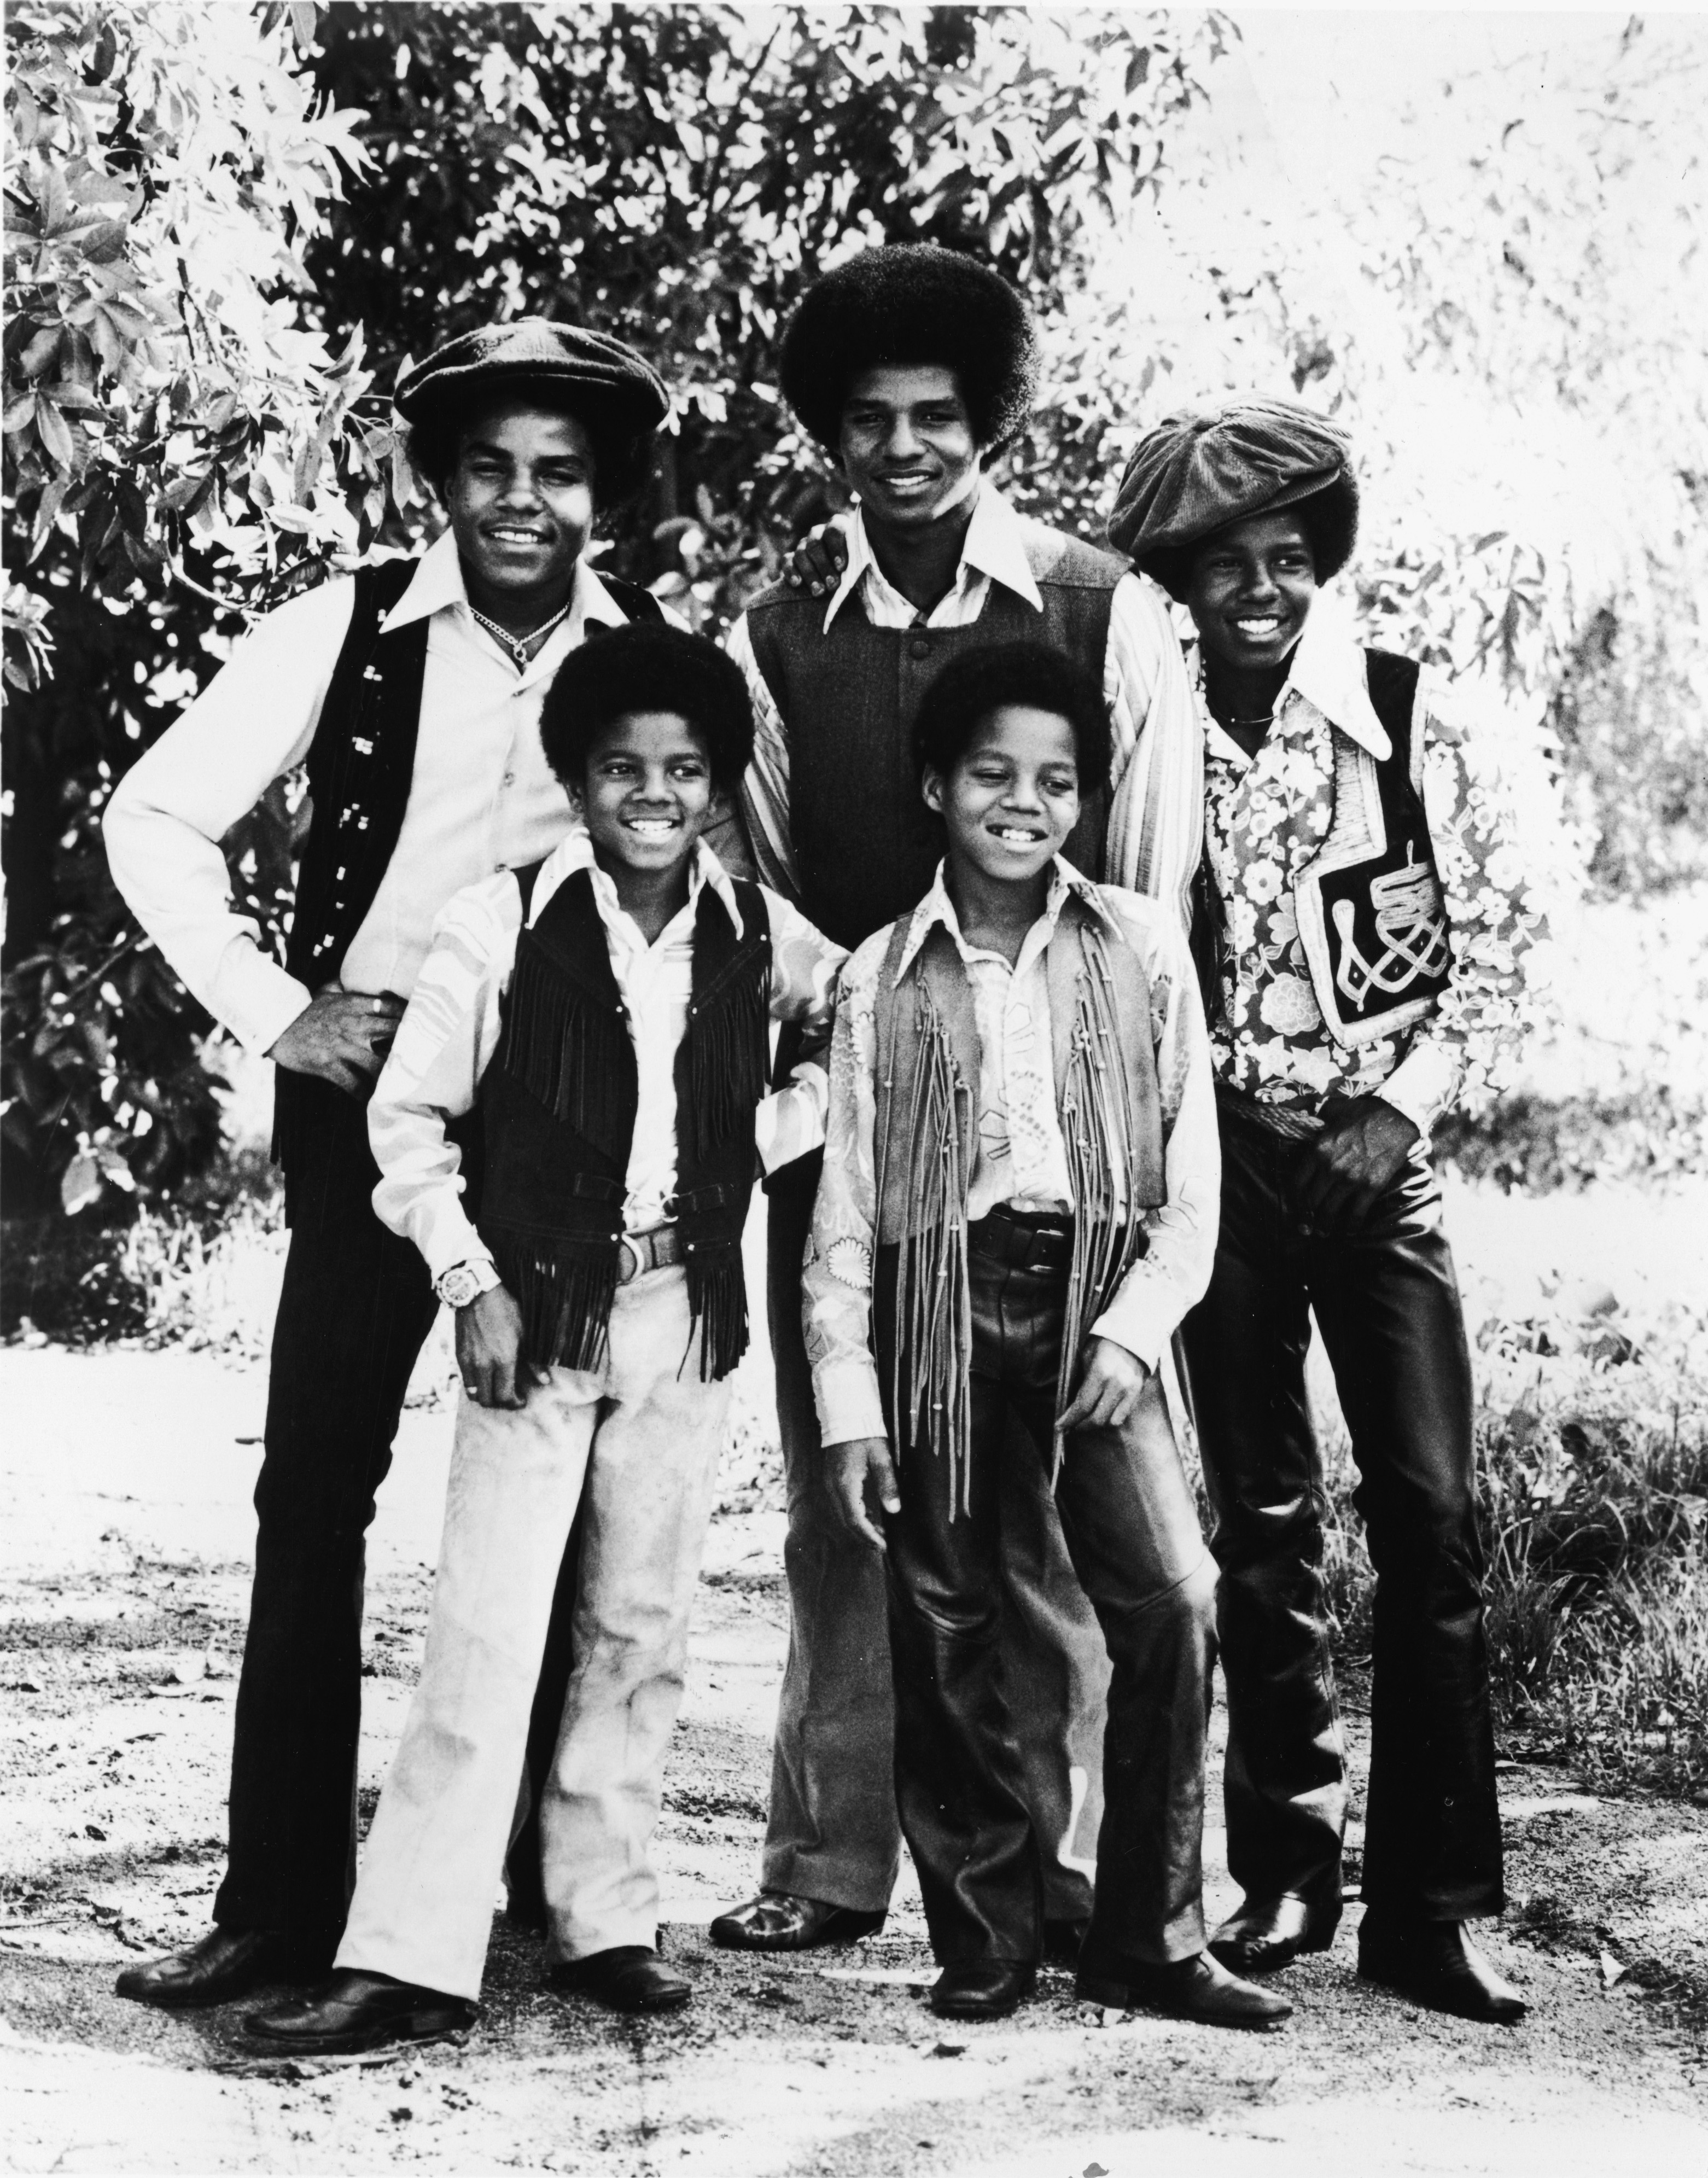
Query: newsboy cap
1196,472
614,391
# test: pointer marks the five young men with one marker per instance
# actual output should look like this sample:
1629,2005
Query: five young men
1329,833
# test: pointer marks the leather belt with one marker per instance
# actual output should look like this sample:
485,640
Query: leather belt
655,1251
1023,1240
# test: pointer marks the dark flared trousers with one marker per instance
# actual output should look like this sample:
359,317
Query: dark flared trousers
833,1832
1132,1534
1386,1303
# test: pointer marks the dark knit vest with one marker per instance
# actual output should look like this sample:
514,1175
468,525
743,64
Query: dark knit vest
865,843
360,765
558,1106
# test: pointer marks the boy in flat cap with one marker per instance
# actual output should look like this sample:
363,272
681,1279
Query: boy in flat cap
411,693
1360,917
913,366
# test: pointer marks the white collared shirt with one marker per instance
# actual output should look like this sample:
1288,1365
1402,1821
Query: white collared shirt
1180,1232
1156,761
450,1032
482,798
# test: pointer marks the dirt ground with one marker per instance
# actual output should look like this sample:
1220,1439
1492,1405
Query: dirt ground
124,1567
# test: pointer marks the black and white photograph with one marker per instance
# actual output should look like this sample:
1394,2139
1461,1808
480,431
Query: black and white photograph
854,1115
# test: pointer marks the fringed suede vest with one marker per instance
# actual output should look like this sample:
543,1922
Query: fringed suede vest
926,1134
558,1106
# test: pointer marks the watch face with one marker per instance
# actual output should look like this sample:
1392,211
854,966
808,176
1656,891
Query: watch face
457,1288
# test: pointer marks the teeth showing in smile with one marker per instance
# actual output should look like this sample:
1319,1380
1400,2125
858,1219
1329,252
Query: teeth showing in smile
652,828
1011,837
1269,626
517,536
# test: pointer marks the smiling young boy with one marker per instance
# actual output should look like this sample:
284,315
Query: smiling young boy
1017,1205
608,1009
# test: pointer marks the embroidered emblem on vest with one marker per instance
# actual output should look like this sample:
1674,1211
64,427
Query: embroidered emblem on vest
1383,948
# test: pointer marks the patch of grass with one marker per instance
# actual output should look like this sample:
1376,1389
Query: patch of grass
201,1268
1593,1485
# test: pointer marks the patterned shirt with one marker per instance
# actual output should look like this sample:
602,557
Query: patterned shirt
1018,1143
1153,778
1266,815
450,1028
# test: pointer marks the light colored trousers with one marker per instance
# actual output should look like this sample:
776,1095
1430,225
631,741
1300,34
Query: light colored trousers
644,1443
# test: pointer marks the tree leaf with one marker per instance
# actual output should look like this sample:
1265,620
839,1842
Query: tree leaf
55,431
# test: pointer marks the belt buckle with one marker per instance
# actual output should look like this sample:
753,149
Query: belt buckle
637,1260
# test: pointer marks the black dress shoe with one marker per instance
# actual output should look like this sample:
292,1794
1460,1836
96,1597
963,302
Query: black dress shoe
1436,1963
1197,1988
982,1988
359,2011
226,1963
1063,1941
778,1921
1268,1933
629,1977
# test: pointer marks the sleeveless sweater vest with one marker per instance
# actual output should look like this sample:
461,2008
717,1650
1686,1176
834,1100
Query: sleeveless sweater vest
558,1106
865,843
360,765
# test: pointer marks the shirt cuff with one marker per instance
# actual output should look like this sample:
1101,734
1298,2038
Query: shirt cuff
259,1001
790,1121
1143,1316
1422,1085
848,1400
446,1235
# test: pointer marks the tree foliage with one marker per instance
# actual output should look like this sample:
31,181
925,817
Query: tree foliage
232,225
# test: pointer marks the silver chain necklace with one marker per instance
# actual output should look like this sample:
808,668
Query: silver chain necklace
516,645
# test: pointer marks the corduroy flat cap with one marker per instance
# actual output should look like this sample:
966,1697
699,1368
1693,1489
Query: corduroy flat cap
537,350
1195,473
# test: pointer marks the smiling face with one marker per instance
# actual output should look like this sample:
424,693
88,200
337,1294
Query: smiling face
1011,796
907,445
520,498
647,794
1251,590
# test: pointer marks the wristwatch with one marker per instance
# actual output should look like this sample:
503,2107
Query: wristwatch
465,1283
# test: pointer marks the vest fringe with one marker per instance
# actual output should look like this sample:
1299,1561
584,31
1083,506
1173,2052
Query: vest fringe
718,1305
565,1289
728,1047
1098,1131
933,1303
570,1052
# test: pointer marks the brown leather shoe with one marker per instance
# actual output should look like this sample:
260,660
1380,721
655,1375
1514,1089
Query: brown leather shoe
359,2011
1197,1988
226,1963
982,1988
778,1921
1268,1933
1436,1963
629,1977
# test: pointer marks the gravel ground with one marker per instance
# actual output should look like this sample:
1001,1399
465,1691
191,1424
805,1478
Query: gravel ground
122,1585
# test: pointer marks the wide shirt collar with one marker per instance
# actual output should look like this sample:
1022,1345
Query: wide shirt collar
1327,672
437,585
938,909
994,546
575,852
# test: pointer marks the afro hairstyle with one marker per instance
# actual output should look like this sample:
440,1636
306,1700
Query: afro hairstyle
1328,517
647,666
911,303
622,457
994,676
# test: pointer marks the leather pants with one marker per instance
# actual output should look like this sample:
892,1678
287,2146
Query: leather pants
1386,1303
1132,1534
